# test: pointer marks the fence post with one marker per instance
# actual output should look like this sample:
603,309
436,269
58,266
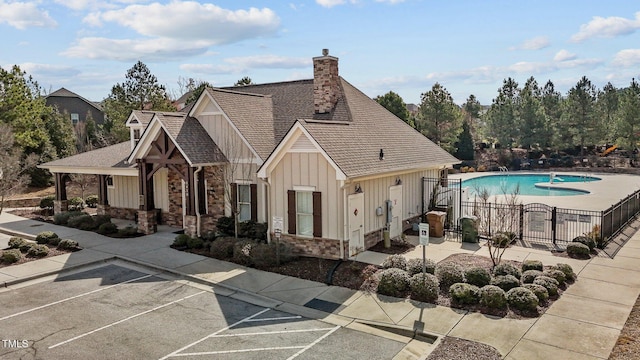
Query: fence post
422,216
521,222
489,225
553,225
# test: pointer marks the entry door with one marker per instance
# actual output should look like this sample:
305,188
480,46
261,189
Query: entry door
395,195
356,223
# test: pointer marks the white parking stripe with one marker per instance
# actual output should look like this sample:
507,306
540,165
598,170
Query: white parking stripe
73,297
239,351
313,343
214,334
275,318
125,319
273,332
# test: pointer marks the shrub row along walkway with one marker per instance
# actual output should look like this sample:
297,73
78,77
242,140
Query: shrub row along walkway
583,324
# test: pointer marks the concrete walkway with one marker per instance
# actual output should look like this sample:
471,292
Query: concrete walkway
583,324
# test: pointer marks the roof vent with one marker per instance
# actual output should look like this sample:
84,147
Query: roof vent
325,52
381,154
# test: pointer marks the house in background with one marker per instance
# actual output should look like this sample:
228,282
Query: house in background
317,158
76,106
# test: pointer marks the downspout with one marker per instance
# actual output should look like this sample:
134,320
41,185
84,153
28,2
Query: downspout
267,181
195,193
345,220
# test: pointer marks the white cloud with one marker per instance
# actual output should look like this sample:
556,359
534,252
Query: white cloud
242,64
48,70
536,43
390,1
607,27
159,49
332,3
22,15
564,55
530,68
627,58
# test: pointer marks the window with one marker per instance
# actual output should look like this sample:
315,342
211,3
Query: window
304,213
110,181
244,202
75,118
136,136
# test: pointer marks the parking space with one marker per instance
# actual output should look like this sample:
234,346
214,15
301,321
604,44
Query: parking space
118,311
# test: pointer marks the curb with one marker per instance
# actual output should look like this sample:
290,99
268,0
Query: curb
16,281
17,233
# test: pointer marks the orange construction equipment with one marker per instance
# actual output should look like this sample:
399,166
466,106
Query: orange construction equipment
609,150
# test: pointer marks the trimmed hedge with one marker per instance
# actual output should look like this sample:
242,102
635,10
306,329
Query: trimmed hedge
505,282
16,242
222,247
550,284
63,217
414,266
578,250
38,251
449,273
45,237
507,269
46,202
424,287
493,297
11,256
463,293
567,270
91,201
530,275
586,241
67,244
560,277
107,228
477,276
394,261
181,240
540,291
76,203
522,299
532,265
393,282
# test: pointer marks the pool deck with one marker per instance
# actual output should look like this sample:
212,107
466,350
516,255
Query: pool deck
602,194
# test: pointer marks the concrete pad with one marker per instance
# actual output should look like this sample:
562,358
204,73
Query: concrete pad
128,247
434,252
378,332
621,262
370,257
611,274
632,252
574,335
32,268
396,308
433,318
340,295
169,258
366,307
256,300
252,280
516,254
531,350
209,269
5,277
414,350
294,290
591,311
502,334
80,257
603,290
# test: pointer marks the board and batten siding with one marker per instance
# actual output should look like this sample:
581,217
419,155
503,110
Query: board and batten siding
124,192
227,139
308,169
161,189
376,193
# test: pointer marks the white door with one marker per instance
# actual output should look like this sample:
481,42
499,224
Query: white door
395,195
356,223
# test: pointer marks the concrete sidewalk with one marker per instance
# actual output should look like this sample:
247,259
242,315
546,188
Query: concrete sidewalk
583,324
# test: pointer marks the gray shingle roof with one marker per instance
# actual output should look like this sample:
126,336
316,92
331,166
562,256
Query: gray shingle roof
192,138
62,92
110,156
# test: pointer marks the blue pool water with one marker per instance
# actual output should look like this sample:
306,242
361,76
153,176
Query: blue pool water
506,184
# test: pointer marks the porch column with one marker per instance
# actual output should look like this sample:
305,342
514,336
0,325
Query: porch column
103,202
147,217
191,220
60,204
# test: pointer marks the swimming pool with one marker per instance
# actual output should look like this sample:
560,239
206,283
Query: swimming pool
507,183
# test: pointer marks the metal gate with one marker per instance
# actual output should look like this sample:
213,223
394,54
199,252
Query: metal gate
538,223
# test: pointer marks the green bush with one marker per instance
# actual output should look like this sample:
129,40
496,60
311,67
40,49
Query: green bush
76,204
11,256
24,248
529,275
424,287
540,291
414,266
556,274
38,250
550,284
82,222
266,255
477,276
67,244
503,239
246,229
578,250
393,282
507,269
449,273
63,217
101,219
586,241
493,297
222,247
107,228
91,201
54,242
46,202
394,261
505,282
522,299
16,242
45,236
195,243
225,225
463,293
129,231
567,270
532,265
181,240
209,236
242,252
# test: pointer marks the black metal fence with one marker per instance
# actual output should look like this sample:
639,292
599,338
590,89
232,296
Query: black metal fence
618,216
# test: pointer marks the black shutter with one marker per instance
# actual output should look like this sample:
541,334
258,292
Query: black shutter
291,208
234,199
317,214
254,202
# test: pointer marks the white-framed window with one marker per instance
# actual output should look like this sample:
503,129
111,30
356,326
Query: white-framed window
244,202
136,135
304,213
110,182
75,118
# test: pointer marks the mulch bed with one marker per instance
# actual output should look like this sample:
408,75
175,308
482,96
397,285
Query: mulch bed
628,344
452,348
397,247
26,259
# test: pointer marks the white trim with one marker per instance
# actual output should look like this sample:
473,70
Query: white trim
131,171
206,196
303,188
397,172
284,146
149,135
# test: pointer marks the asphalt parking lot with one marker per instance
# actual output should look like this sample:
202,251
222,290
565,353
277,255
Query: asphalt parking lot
122,312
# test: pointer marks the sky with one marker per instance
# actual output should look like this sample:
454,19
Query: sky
404,46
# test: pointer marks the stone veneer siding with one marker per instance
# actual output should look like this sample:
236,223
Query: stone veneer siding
121,213
317,247
191,225
173,217
147,223
215,198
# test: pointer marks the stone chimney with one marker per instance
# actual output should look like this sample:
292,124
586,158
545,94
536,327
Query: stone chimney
326,83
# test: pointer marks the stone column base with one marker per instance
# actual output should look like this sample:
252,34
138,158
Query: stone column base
147,221
60,206
103,209
191,225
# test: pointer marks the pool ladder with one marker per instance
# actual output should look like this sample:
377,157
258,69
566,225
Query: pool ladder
503,169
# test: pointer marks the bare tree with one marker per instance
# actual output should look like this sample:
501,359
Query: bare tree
239,168
13,167
83,181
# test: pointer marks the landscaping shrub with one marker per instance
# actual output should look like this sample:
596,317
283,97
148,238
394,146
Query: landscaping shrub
242,252
24,248
540,291
393,282
38,250
11,256
225,225
264,255
477,276
54,242
522,299
46,203
503,239
195,243
394,261
556,274
505,282
45,236
414,266
68,244
63,217
181,240
222,248
530,275
424,287
91,201
76,204
532,265
588,241
449,273
550,284
16,242
463,293
129,231
101,219
493,297
578,250
507,269
246,229
209,236
567,270
82,222
107,228
369,271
